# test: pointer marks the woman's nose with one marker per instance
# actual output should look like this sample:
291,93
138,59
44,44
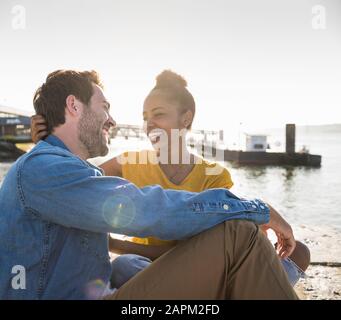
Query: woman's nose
148,125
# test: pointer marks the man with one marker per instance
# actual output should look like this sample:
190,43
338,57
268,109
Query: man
57,210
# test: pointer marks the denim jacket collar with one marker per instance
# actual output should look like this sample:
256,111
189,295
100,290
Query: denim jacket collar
53,140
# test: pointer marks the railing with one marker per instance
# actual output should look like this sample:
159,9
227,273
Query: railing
134,131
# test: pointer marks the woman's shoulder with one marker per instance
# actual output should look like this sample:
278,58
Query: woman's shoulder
216,174
137,157
207,163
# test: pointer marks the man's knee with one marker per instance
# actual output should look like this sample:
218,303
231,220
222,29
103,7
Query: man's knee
241,226
241,236
231,235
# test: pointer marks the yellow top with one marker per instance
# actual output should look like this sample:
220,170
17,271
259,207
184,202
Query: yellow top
141,168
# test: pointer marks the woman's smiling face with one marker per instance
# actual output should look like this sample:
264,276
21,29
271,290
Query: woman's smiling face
160,116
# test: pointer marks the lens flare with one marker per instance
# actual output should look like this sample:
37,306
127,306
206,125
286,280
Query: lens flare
119,211
95,289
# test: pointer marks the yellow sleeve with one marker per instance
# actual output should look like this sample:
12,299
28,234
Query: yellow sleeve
129,161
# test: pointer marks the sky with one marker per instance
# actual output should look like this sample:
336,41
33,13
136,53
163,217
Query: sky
255,64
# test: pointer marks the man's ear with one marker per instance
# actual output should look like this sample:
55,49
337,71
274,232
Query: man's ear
73,105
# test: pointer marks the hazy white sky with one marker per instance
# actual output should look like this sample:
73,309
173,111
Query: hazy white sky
257,62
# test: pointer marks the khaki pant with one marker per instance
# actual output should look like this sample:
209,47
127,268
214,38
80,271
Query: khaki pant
233,260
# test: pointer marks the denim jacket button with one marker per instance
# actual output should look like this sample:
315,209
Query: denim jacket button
226,207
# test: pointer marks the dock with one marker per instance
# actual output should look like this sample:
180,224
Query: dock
272,158
288,158
9,151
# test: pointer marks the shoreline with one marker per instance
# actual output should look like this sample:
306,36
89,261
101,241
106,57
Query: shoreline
321,283
324,243
323,276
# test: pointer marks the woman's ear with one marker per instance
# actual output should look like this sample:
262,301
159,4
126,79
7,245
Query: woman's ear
187,119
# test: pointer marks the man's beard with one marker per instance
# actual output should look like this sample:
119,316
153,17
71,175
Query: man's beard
90,130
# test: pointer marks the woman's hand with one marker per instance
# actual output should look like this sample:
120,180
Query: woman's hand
38,128
286,241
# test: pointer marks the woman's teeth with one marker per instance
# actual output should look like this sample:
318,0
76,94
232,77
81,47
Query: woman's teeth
155,135
154,138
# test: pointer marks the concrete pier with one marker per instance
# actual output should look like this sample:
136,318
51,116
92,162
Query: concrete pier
290,141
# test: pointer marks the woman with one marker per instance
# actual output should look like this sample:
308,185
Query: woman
168,113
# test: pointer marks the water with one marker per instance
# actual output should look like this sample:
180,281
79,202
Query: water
305,196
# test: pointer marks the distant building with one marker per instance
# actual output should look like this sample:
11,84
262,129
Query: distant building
14,126
256,142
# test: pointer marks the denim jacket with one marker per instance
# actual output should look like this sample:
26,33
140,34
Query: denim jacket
56,211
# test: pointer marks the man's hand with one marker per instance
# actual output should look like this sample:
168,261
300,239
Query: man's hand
286,241
38,128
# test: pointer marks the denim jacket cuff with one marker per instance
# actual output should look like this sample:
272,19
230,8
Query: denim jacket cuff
262,212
